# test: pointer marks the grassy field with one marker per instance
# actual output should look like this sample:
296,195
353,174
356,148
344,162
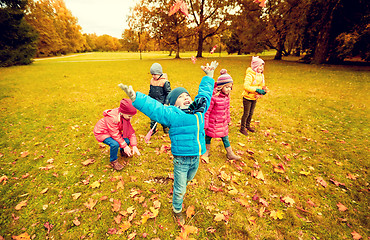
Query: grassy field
303,174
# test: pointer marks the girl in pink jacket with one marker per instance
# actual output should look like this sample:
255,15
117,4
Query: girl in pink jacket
217,118
116,131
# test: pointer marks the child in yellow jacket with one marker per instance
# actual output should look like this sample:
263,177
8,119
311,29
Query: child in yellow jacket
254,88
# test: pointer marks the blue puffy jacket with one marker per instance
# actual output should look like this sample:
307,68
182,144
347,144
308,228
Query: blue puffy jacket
186,130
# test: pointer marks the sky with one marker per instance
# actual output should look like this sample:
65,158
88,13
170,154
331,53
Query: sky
101,16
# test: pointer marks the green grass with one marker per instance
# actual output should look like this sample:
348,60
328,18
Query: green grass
314,119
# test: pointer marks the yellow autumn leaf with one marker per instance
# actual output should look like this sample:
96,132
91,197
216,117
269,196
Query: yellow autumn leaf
219,217
190,211
76,195
232,190
288,200
145,217
276,214
252,220
305,173
21,204
155,212
44,191
130,210
95,184
260,176
23,236
124,226
120,185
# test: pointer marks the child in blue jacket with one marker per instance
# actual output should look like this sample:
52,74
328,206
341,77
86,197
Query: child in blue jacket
185,118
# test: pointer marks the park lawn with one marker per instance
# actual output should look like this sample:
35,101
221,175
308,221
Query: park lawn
303,174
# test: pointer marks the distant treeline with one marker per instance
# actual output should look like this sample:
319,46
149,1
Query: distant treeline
318,30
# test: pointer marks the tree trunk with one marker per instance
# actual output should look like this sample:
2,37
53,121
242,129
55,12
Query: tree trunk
178,47
280,48
323,40
200,43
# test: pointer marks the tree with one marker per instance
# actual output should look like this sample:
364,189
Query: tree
210,17
17,38
337,29
41,17
130,41
247,30
284,21
169,30
58,29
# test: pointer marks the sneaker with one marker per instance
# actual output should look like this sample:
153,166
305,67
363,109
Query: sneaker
251,129
116,165
179,217
243,131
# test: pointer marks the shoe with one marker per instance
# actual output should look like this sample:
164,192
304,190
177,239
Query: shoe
232,156
243,131
116,165
179,217
250,129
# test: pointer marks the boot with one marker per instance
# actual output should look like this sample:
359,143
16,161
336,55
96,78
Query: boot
243,131
116,165
249,128
205,156
179,218
231,155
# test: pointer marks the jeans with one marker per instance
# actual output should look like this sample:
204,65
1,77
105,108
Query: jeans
225,141
184,170
249,106
114,146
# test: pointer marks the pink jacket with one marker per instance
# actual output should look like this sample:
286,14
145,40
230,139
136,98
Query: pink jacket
217,117
112,126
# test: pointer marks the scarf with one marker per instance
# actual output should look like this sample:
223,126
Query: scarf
127,129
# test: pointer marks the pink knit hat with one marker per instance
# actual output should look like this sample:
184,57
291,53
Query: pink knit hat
126,107
224,78
256,62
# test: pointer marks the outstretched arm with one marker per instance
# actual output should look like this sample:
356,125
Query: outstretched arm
149,106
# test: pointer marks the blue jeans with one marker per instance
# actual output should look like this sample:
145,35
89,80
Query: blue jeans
114,146
184,170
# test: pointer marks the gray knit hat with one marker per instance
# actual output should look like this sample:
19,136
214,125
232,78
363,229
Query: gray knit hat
156,68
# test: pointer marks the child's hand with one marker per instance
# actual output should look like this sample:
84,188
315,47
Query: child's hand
210,69
127,150
135,150
129,91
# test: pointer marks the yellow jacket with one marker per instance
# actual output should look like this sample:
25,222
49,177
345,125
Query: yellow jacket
252,81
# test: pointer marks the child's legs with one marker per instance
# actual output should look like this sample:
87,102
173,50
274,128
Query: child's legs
184,170
226,141
152,122
249,106
251,111
208,139
114,146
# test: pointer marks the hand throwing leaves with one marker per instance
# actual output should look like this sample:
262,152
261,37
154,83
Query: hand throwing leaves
129,91
209,69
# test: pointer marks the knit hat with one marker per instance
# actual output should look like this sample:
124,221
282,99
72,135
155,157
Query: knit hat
126,107
256,62
156,68
224,78
174,94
